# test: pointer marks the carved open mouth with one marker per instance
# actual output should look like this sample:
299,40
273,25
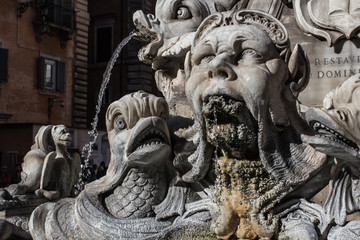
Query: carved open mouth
231,126
150,137
331,134
147,34
66,139
149,142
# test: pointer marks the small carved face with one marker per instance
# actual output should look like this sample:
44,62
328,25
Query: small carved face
61,135
179,17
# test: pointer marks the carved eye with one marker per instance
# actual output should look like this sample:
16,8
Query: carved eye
183,13
119,123
250,53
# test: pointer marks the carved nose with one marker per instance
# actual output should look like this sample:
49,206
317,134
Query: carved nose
221,69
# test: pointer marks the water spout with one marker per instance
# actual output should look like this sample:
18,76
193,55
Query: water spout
93,134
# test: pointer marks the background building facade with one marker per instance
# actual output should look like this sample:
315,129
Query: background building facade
53,54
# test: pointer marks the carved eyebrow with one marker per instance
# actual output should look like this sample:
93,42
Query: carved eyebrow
203,49
237,40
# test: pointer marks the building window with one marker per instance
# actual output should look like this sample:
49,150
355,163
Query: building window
59,12
51,74
103,39
4,58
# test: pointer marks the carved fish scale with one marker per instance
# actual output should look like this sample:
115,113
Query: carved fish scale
138,194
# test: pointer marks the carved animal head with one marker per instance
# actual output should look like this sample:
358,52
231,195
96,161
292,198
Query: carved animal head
61,136
172,23
137,131
243,80
338,122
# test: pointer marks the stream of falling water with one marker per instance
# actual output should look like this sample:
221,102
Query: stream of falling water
93,134
216,124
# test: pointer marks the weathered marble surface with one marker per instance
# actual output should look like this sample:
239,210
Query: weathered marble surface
170,33
140,197
49,173
237,153
337,125
242,84
331,64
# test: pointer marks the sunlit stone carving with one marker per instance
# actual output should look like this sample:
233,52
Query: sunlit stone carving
170,33
140,197
336,216
49,173
242,84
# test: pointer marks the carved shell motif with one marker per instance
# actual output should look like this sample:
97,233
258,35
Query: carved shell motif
329,19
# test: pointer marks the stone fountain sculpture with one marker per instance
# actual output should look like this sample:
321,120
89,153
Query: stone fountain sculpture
273,171
49,172
43,166
337,214
242,84
170,33
141,196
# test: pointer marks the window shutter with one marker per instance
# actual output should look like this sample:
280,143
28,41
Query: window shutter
41,73
60,80
66,13
4,56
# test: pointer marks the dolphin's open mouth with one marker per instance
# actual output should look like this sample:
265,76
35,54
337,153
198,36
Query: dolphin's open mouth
151,136
332,135
231,126
149,142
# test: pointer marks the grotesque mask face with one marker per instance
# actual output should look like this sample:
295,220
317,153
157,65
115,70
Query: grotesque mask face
61,135
236,74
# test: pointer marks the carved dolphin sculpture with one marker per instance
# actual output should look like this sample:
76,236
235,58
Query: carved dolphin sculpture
338,135
46,175
139,197
33,163
338,122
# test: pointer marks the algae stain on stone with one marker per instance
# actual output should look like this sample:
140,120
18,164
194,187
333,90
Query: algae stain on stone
198,236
